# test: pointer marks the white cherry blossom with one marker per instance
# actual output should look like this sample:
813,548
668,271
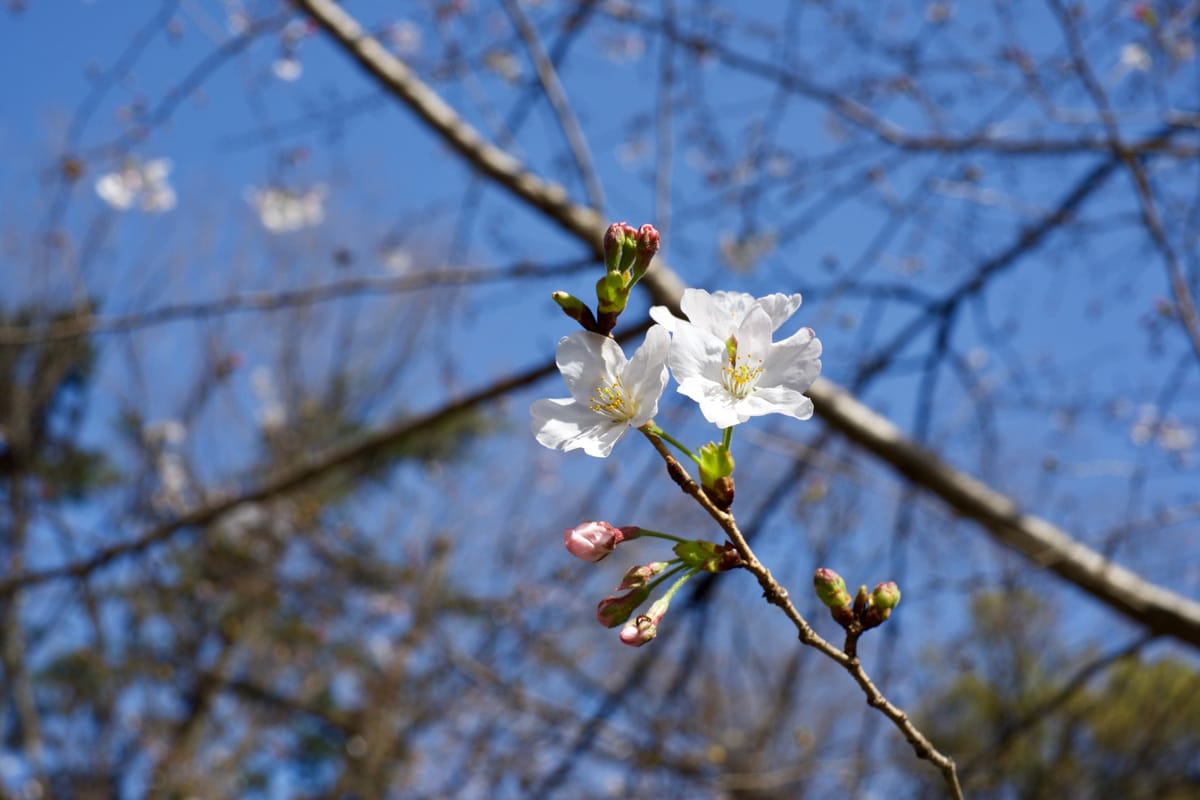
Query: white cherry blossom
609,395
282,210
141,182
724,359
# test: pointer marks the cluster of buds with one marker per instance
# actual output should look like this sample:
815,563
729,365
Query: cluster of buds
593,541
627,255
862,612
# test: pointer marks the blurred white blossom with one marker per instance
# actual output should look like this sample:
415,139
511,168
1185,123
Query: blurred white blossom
287,68
1134,58
404,37
141,182
283,210
1169,433
396,259
272,415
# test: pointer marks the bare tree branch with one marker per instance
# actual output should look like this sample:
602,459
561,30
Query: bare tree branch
1154,607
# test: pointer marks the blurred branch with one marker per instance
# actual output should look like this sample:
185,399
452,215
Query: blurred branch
1070,688
273,301
889,133
1184,302
557,97
1158,609
359,450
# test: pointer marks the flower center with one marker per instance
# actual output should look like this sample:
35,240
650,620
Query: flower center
741,371
610,400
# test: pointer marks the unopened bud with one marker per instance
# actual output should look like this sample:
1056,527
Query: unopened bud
619,237
592,541
831,589
576,309
861,601
639,576
884,598
647,246
615,609
645,627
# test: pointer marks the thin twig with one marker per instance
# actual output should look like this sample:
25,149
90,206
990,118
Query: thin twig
777,595
557,97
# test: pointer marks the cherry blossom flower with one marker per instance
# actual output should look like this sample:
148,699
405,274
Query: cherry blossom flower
282,210
609,395
724,359
141,182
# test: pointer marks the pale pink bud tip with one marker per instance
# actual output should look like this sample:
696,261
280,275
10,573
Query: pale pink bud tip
638,632
592,541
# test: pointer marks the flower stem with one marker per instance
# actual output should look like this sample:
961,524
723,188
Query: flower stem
670,572
654,430
660,535
727,438
679,583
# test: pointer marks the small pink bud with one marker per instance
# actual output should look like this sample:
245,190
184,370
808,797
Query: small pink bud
615,244
645,627
615,609
647,245
640,576
592,541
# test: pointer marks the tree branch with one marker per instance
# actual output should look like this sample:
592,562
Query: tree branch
1158,609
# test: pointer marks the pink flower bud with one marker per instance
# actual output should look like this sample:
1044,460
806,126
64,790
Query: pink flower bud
615,240
615,609
645,627
641,575
592,541
647,245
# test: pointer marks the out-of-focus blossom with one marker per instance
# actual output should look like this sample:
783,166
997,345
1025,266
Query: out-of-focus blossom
283,210
138,182
272,415
1169,433
1134,58
287,68
237,19
503,64
404,37
396,259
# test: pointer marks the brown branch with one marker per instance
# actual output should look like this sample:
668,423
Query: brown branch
1146,603
777,595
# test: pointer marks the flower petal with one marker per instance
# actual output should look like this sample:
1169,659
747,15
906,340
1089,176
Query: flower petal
779,307
719,313
587,360
794,362
645,376
663,316
776,400
695,353
754,335
563,424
